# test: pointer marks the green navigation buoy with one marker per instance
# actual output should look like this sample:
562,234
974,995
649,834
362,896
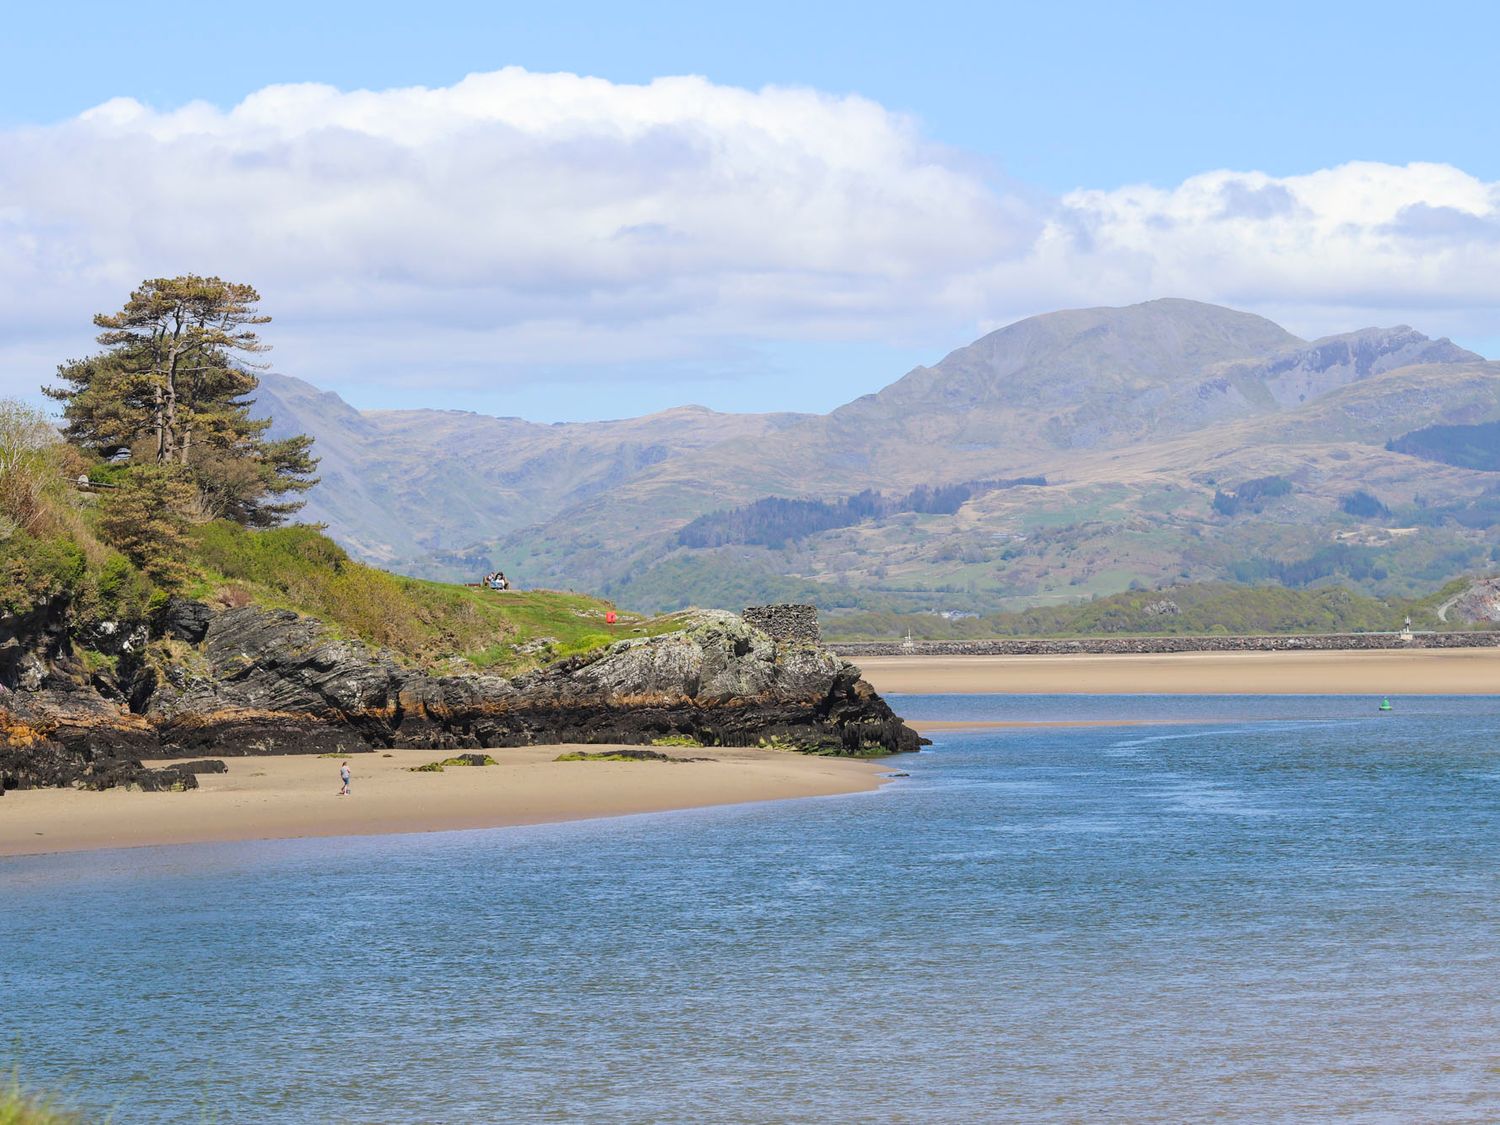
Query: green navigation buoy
1385,704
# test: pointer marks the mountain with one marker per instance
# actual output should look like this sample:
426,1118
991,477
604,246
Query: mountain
1139,419
415,488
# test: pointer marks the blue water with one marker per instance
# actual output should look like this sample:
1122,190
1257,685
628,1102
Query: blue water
1283,910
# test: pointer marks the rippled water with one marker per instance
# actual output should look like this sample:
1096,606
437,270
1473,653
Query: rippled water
1236,920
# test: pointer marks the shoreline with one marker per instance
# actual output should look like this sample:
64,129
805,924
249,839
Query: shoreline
294,796
1373,672
958,726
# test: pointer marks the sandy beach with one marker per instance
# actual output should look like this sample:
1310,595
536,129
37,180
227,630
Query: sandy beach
296,796
1417,672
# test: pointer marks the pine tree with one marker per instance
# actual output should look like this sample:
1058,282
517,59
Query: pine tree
172,387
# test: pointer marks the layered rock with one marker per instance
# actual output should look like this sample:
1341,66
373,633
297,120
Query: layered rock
253,681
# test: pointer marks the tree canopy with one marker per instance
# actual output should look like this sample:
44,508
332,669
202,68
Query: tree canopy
171,389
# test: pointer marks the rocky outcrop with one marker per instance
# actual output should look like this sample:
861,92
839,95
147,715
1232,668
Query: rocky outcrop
254,681
1478,605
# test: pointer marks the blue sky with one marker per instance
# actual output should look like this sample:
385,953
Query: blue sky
1025,103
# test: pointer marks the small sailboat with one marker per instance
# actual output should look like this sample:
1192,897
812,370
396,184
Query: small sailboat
1385,704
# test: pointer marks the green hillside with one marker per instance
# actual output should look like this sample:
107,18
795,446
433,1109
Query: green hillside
1199,609
433,623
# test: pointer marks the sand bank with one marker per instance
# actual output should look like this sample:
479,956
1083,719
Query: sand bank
1417,672
294,796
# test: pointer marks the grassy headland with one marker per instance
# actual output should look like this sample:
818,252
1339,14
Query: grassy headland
63,553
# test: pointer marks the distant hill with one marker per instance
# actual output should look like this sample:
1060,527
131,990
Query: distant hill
1137,418
425,490
1187,610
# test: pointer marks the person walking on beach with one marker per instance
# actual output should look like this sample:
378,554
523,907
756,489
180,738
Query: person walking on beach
344,777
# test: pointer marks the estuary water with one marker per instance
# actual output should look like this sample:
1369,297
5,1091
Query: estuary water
1271,909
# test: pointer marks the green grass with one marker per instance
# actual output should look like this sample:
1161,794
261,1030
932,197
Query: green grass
17,1107
94,661
437,625
300,569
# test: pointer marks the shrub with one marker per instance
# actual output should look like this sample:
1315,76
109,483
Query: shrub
33,570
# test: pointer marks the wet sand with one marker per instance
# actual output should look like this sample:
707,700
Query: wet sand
296,796
1377,672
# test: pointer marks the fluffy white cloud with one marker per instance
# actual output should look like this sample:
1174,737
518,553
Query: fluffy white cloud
650,218
1328,251
518,218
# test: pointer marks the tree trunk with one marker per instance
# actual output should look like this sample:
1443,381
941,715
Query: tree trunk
158,412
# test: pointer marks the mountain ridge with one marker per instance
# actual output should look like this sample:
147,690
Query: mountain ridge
1172,397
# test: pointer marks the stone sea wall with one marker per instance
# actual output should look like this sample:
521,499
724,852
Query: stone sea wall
1124,645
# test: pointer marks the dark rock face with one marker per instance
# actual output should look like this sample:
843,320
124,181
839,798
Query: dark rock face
45,763
185,620
110,774
212,765
271,682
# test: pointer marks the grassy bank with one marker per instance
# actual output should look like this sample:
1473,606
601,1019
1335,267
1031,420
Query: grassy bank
298,568
60,551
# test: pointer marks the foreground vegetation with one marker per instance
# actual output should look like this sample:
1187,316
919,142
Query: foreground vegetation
17,1107
446,626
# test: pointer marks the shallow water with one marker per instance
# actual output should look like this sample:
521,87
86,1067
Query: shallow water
1288,919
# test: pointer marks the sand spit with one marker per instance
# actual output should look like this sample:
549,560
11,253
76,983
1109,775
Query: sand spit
1474,671
296,796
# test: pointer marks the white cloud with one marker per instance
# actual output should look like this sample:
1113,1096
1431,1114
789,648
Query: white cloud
518,218
509,199
1365,241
